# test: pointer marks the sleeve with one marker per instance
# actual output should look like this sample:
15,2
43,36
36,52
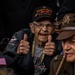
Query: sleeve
10,53
14,42
24,61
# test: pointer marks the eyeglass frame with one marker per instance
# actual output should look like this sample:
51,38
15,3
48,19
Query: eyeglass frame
40,25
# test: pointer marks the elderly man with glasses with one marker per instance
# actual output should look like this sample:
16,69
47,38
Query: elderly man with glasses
33,49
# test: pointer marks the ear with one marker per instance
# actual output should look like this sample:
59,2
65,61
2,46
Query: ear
31,27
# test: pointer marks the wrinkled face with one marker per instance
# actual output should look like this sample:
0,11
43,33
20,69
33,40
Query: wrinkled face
69,48
42,29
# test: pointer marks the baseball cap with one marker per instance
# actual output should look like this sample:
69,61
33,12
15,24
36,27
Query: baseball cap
43,12
68,27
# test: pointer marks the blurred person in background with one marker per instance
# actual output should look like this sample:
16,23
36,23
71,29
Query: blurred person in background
7,71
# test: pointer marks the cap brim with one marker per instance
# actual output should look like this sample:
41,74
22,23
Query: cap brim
65,34
45,17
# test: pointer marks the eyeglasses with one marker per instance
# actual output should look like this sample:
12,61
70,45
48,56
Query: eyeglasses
40,25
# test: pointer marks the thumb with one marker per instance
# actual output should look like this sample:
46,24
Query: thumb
25,38
49,38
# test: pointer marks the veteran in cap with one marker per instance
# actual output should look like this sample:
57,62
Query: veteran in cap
64,64
32,49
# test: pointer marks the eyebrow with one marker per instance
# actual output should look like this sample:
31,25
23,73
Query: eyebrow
35,23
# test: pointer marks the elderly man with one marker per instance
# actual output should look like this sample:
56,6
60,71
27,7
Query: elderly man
32,50
63,64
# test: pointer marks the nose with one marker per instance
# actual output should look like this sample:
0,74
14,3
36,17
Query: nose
44,28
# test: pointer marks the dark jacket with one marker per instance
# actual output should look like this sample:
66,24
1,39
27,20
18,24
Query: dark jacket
66,68
23,64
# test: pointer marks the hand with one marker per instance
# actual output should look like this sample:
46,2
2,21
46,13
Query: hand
49,46
23,47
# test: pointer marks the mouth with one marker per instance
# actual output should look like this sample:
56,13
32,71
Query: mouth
43,34
69,54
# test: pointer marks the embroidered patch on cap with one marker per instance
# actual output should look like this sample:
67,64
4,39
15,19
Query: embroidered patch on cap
42,11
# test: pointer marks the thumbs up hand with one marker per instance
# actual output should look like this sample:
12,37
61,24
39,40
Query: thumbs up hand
49,48
23,47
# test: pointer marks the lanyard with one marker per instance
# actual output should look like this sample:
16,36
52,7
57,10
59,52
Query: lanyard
33,51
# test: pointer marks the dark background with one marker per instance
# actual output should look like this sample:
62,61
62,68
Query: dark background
16,14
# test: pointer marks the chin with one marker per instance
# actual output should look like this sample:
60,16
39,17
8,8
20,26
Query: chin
70,59
42,40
